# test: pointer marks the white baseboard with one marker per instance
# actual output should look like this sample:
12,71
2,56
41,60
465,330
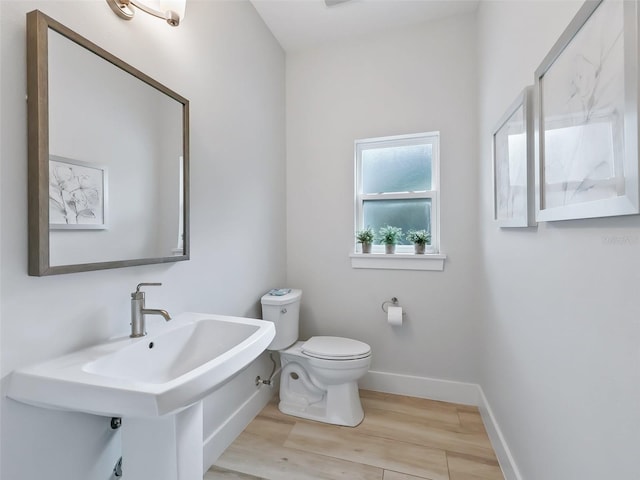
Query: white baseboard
447,391
222,437
507,463
421,387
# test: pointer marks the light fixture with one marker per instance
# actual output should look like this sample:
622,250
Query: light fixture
170,10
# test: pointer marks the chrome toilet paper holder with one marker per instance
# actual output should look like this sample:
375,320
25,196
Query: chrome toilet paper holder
394,302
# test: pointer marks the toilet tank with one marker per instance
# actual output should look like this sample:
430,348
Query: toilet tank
284,311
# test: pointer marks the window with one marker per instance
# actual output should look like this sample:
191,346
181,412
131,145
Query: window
397,184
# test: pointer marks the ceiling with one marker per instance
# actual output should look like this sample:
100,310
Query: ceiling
303,24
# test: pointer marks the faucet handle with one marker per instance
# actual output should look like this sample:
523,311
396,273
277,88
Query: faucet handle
147,284
138,294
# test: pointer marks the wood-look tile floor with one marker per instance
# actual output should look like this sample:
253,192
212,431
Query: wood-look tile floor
401,438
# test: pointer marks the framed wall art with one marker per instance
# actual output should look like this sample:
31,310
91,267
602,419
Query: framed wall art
586,119
513,164
77,195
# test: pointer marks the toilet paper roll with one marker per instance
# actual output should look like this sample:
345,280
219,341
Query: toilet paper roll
394,316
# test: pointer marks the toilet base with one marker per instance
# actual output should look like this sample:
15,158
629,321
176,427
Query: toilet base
340,405
321,389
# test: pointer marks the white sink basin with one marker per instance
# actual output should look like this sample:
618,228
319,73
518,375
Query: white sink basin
155,375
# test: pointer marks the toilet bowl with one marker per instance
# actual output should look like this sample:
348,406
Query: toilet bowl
322,387
319,377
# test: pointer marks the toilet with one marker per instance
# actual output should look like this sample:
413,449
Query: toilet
319,378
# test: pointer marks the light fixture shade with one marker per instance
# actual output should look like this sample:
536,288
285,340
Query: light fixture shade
176,6
171,10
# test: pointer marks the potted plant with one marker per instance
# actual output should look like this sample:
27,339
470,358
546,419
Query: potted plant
390,236
420,239
365,237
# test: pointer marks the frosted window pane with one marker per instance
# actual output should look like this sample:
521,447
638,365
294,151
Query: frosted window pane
414,214
396,169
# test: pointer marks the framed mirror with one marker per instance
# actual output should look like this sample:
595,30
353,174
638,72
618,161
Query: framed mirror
108,175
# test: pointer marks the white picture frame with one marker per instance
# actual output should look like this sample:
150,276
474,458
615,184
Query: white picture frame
77,194
586,116
513,163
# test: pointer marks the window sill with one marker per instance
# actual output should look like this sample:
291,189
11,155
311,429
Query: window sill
398,261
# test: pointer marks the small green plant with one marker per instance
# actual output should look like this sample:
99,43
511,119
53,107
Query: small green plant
419,237
365,235
390,235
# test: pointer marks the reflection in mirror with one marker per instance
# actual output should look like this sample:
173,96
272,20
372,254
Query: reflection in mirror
110,173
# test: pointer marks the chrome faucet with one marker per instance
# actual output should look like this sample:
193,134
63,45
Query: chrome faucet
138,311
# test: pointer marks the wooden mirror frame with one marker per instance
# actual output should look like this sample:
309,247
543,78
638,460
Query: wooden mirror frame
38,25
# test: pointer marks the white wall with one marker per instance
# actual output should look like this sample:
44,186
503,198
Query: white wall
419,79
561,333
225,61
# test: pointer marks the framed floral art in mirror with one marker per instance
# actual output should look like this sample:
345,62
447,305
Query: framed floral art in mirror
77,195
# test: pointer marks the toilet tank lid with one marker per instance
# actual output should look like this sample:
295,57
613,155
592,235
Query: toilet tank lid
335,347
293,296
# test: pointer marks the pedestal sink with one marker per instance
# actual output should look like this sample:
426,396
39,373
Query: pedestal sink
155,383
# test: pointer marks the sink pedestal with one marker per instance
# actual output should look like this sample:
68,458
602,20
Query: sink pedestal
164,448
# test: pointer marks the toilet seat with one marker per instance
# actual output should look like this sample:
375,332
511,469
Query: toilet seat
335,348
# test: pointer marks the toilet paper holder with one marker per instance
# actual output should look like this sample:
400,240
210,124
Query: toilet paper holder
394,302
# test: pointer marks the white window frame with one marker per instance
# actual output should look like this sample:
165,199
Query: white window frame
432,138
